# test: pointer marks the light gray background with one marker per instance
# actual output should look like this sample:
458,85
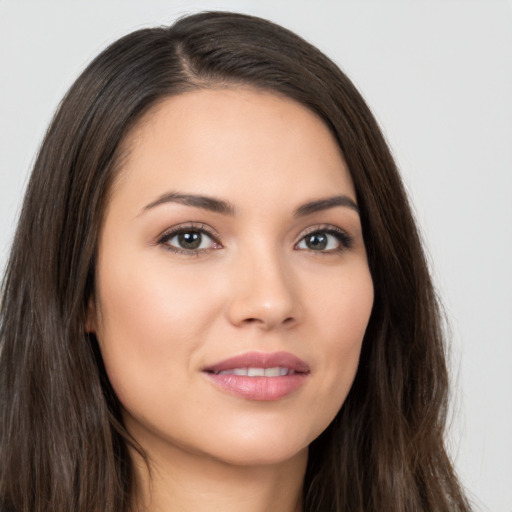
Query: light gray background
438,76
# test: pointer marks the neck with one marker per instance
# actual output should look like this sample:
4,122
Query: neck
186,482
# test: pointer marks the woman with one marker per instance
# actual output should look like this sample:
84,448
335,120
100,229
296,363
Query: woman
217,297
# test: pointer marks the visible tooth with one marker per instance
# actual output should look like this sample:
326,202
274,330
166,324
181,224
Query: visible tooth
255,372
234,371
273,372
276,371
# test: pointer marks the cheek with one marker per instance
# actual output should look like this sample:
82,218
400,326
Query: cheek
149,324
149,299
155,323
342,306
342,315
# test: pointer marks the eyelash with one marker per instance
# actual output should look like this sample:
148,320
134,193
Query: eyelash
344,239
188,228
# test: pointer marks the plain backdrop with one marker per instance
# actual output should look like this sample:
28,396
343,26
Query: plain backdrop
438,76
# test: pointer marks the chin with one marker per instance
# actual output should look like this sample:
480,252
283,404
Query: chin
261,446
259,455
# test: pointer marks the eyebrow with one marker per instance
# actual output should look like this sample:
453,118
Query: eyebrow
198,201
225,208
325,204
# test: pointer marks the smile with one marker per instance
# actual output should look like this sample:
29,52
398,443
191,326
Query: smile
277,371
259,376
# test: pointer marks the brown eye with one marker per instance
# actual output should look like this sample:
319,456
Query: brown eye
326,240
188,240
316,241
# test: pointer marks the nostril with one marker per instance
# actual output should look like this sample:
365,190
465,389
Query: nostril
261,321
251,320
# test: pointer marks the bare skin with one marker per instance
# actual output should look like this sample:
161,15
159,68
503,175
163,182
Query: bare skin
181,485
232,232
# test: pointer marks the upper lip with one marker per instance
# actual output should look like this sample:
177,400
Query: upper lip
260,360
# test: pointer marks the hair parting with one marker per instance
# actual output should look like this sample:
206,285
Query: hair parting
63,445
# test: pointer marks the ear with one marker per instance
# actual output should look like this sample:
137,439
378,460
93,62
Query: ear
90,323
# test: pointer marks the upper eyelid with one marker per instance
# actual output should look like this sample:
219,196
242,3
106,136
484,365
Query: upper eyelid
167,235
323,228
344,237
191,226
212,233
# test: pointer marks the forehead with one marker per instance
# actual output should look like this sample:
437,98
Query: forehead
233,141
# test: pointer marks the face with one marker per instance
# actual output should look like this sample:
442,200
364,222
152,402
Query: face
232,286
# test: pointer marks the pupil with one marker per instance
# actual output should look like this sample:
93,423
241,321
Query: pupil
190,240
317,241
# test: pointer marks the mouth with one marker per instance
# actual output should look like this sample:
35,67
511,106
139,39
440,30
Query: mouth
259,376
277,371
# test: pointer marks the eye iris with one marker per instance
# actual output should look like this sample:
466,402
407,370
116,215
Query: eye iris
317,241
190,240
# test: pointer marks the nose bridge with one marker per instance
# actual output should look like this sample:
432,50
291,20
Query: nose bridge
263,290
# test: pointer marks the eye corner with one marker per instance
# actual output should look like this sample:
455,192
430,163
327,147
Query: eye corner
189,239
325,240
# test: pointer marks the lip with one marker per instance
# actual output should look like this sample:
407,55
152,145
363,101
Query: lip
261,388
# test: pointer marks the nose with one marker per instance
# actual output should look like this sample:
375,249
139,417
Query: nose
264,293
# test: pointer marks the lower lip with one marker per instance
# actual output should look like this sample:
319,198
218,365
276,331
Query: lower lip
258,388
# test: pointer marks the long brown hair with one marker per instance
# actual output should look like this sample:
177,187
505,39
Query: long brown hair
63,446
